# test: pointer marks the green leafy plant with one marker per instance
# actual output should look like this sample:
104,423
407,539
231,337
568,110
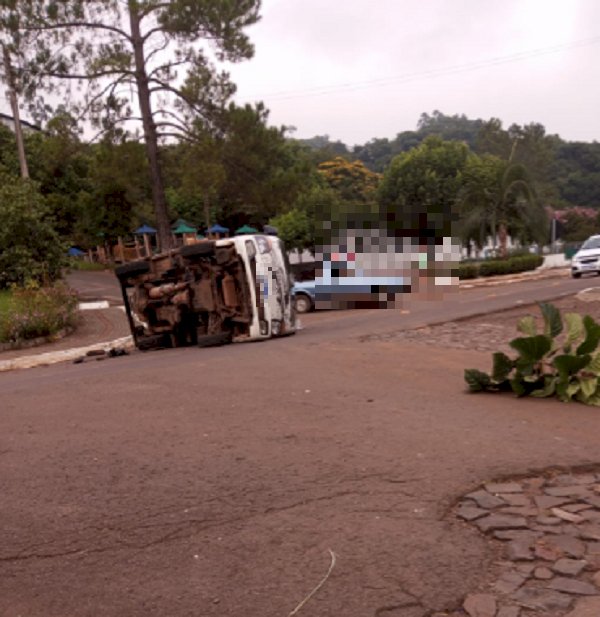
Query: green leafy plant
562,360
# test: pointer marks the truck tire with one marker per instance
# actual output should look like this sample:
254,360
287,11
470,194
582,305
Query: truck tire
133,268
214,340
303,303
198,250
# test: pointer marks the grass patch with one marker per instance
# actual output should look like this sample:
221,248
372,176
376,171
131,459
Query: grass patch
88,266
32,313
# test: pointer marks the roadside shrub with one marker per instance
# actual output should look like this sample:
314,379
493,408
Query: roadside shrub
467,271
561,362
32,313
512,265
30,248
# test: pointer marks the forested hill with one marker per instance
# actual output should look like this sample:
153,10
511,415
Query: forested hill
569,172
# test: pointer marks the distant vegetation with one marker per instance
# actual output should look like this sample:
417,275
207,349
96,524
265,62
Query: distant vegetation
568,173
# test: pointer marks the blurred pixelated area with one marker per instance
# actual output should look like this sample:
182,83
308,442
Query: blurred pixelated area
368,261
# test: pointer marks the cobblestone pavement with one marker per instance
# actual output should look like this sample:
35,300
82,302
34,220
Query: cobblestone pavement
550,530
492,332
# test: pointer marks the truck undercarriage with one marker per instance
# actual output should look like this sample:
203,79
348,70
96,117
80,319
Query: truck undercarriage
194,295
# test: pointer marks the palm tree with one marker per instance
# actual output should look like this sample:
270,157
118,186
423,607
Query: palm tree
498,198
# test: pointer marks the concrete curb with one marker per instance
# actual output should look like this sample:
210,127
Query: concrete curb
53,357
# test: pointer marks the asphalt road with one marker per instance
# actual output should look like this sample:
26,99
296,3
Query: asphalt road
213,482
410,313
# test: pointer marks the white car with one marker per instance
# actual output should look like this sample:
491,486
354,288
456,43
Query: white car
587,258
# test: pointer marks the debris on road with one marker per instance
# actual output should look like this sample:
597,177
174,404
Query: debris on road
102,354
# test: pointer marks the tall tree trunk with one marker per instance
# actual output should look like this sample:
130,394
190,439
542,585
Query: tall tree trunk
494,235
141,76
503,237
12,95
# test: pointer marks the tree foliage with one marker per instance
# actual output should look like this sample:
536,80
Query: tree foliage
30,247
295,229
578,224
498,199
140,60
419,190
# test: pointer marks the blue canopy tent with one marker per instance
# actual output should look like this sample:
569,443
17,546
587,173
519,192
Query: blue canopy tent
144,229
218,229
75,252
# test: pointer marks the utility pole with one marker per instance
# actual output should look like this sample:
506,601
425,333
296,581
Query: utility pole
12,97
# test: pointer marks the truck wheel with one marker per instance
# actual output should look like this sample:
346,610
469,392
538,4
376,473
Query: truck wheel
198,250
576,275
214,340
133,268
303,303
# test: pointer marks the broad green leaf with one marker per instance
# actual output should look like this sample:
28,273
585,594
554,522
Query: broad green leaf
594,400
478,381
594,365
548,390
592,336
526,325
531,378
575,329
588,386
532,348
552,322
517,384
572,389
561,390
525,366
502,367
568,364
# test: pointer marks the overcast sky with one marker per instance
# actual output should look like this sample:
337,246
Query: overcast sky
361,69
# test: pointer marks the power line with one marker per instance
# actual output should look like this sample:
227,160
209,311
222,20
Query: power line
429,74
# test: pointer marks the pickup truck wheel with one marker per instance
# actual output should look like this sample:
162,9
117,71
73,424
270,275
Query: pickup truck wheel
303,303
214,340
576,275
133,268
198,250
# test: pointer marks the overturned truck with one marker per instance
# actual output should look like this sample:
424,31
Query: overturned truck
210,293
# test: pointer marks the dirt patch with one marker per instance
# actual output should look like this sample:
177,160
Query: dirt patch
492,332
